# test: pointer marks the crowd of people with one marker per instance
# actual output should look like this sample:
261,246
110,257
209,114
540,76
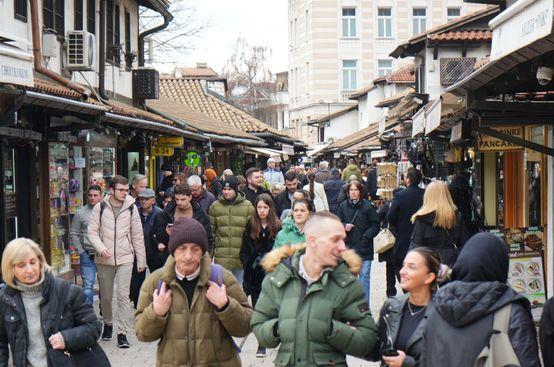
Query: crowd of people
300,244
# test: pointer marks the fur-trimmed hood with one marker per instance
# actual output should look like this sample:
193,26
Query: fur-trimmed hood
273,258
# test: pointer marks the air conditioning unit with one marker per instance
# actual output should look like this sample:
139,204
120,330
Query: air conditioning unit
146,84
81,46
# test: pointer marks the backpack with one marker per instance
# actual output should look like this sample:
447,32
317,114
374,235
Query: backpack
103,206
499,351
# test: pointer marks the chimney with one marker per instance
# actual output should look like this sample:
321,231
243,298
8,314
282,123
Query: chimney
201,65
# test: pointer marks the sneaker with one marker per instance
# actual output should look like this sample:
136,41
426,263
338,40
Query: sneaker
122,341
260,353
107,333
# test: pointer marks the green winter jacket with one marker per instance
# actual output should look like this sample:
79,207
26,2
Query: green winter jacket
350,170
289,234
228,221
331,320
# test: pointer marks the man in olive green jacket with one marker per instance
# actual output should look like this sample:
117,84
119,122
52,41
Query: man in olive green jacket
312,304
228,217
196,308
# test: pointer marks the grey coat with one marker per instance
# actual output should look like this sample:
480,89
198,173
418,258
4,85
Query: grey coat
78,235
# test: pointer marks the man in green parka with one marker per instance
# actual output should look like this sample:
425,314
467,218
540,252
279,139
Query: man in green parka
312,305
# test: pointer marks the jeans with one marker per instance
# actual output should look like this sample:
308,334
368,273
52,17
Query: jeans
88,275
238,273
365,277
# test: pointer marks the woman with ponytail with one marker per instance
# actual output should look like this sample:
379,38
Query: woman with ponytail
317,193
403,318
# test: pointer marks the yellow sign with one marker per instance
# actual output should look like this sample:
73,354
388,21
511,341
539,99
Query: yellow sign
169,141
487,143
161,151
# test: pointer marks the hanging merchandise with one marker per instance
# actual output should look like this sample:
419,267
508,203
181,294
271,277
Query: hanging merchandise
386,179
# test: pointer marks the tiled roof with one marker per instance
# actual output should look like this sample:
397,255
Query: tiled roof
463,35
196,72
354,138
130,111
394,98
360,92
190,93
337,113
53,89
405,74
373,141
196,119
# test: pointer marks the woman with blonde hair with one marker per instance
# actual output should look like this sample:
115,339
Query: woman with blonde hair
437,224
45,319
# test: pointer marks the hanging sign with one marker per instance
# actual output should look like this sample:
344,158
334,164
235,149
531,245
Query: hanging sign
418,122
433,116
162,152
192,159
169,141
16,66
456,133
487,143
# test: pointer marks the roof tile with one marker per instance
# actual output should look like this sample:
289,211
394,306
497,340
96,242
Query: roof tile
463,35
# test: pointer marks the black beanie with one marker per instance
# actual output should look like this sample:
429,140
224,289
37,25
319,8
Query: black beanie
231,182
188,230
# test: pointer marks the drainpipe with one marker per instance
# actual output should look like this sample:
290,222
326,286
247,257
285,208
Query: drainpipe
102,56
167,19
37,55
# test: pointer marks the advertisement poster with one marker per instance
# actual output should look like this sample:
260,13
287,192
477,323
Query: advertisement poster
533,239
514,238
526,276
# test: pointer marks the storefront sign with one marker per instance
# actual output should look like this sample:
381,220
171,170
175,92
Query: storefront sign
169,142
192,159
288,149
519,26
456,133
162,152
488,143
379,154
418,122
433,116
16,66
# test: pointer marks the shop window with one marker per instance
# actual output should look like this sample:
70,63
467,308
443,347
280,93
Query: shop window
78,15
101,166
20,10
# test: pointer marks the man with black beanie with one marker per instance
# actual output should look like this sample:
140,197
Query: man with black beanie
183,318
229,216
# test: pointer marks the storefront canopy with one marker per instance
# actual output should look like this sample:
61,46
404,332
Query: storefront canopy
278,155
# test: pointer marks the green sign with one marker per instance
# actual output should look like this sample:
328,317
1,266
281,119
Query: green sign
192,159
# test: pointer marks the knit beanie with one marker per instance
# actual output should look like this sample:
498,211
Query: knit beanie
187,230
231,182
210,174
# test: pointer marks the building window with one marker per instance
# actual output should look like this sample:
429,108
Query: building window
59,16
419,20
78,15
117,34
53,15
384,67
91,16
452,13
349,75
113,35
384,23
20,10
349,22
129,61
321,134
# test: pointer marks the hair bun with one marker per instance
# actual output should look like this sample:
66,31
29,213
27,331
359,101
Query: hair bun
444,273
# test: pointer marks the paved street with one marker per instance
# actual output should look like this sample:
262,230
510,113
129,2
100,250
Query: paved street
144,354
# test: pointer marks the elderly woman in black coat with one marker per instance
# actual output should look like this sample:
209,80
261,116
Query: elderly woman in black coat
31,304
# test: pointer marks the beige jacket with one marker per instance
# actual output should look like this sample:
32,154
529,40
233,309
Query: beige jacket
121,235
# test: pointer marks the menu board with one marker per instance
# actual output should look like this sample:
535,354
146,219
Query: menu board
526,276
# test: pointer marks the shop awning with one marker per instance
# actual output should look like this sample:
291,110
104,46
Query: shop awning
370,144
278,155
314,152
142,124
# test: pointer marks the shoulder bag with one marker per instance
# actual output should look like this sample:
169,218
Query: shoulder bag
384,241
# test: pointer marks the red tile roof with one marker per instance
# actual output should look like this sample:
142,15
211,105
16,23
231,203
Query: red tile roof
463,35
405,74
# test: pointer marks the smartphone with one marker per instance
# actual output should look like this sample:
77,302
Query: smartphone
159,287
390,352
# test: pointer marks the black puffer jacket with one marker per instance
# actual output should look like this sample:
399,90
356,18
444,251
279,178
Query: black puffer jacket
446,242
332,189
459,327
366,226
79,326
392,312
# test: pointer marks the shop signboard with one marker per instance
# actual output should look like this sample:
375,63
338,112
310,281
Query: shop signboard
526,276
16,66
162,152
169,142
418,122
288,149
456,133
379,154
433,116
520,25
486,143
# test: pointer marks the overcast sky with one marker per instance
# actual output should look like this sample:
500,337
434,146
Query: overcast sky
261,22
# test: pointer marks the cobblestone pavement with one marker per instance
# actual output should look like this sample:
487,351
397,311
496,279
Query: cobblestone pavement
144,354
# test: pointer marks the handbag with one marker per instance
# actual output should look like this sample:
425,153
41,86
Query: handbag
384,241
89,357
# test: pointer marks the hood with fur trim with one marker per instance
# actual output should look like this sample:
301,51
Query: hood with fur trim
273,258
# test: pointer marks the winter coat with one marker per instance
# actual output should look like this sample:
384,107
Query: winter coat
273,176
392,311
460,325
199,334
121,235
404,204
366,226
289,234
446,242
79,325
78,232
313,325
251,255
350,170
332,190
252,195
343,194
371,183
216,187
168,216
148,227
205,200
546,333
283,202
322,175
320,197
228,221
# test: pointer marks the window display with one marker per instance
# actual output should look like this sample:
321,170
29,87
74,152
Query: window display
101,166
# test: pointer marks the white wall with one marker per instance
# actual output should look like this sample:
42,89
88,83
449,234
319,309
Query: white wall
342,126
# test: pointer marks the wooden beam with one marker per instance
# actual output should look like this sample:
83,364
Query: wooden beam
518,141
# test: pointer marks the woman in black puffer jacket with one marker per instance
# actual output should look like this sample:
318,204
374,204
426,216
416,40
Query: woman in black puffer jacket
30,305
437,224
460,325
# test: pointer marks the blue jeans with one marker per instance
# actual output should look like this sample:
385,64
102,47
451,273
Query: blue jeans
365,277
88,275
238,273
